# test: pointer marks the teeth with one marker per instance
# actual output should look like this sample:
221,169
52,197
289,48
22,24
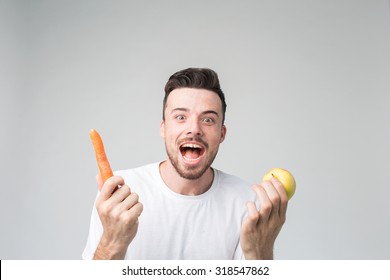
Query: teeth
193,146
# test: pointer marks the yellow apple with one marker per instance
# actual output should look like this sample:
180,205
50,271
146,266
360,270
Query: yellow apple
285,177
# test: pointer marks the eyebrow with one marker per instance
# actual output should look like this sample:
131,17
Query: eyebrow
203,113
180,109
210,112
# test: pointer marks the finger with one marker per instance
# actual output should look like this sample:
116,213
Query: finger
264,202
250,222
132,215
273,194
280,188
131,200
110,185
137,209
253,215
283,197
99,181
120,194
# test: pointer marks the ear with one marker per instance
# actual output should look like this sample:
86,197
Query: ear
223,133
162,129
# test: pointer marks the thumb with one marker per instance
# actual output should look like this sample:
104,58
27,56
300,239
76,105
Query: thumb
99,181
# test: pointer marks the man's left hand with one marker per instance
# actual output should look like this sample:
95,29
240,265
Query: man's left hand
261,227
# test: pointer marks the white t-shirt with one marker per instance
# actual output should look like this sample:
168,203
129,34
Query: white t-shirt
175,226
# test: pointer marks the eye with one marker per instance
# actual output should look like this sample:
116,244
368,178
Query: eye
208,120
180,117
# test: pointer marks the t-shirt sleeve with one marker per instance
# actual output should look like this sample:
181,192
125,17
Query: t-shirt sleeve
94,235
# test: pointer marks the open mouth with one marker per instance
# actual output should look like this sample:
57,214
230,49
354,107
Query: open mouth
192,152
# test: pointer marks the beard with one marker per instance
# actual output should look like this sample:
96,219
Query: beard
190,172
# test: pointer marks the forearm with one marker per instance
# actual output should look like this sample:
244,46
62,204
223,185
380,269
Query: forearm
109,251
259,255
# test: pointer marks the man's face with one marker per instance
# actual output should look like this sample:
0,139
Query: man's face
192,130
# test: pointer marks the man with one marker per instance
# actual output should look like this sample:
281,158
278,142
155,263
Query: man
189,210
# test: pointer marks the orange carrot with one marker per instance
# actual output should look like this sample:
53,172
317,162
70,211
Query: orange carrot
101,158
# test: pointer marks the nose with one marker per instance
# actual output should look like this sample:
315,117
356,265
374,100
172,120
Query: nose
194,128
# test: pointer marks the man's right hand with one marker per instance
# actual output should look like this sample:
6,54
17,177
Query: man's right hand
118,210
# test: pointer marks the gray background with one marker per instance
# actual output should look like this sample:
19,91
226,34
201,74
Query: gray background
307,86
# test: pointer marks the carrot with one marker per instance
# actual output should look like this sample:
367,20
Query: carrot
101,158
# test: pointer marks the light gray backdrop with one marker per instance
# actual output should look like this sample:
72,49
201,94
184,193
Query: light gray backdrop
307,87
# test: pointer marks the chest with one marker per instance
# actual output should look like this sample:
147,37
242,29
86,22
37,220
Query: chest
168,229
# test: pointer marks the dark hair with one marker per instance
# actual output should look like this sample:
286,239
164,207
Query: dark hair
201,78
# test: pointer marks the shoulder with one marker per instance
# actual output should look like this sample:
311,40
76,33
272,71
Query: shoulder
234,185
230,179
145,175
149,169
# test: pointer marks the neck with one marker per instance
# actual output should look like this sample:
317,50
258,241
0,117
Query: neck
184,186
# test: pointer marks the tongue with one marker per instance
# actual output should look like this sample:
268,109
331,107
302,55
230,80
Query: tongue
192,153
